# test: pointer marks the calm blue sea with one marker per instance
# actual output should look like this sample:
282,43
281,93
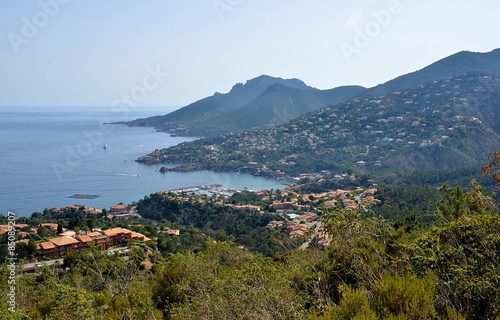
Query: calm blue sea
49,154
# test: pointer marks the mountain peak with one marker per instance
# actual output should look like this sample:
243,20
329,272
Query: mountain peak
264,81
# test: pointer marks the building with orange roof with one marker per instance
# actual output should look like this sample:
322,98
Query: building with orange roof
99,239
308,217
118,209
83,238
63,245
22,234
274,224
92,210
330,204
46,250
66,245
117,236
18,226
296,229
94,234
140,237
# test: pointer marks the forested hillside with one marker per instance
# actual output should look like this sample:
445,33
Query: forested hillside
260,102
370,269
444,124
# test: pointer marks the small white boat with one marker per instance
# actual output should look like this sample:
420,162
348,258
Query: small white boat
105,146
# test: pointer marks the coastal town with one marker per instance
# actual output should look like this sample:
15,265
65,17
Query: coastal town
369,134
296,215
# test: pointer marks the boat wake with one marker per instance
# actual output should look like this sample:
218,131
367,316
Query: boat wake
128,174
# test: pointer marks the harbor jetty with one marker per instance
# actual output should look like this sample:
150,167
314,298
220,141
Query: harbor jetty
193,189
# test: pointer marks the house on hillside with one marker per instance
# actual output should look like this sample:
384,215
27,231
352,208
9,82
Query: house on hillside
57,247
61,246
118,209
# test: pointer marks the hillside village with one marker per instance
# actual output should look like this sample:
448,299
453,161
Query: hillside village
367,134
336,238
256,226
288,211
432,121
291,213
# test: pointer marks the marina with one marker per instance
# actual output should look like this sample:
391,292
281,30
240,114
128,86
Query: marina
193,189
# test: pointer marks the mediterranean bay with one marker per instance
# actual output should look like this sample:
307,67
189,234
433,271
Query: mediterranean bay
55,157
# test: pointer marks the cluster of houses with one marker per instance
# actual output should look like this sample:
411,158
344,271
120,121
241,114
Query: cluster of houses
23,230
424,117
282,207
74,207
120,210
302,219
299,225
298,207
69,241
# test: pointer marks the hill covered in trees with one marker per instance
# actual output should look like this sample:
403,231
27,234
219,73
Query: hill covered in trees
443,124
266,101
262,101
454,65
370,269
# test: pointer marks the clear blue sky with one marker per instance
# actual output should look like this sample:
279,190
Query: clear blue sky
91,52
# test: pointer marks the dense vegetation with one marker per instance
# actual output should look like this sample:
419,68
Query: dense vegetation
370,270
414,252
263,101
445,124
220,222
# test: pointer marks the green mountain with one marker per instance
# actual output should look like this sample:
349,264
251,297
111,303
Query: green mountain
454,65
261,101
450,123
266,101
277,104
219,103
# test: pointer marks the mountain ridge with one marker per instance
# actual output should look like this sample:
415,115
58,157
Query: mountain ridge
450,123
252,106
456,64
219,103
277,104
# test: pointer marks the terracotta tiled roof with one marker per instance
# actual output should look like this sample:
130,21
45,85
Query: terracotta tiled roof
119,206
83,238
63,241
110,232
45,246
139,236
94,234
115,231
